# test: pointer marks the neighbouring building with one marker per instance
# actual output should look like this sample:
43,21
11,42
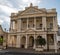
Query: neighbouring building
58,37
29,24
3,37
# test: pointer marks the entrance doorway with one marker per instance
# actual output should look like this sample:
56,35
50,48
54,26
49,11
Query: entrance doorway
23,41
31,42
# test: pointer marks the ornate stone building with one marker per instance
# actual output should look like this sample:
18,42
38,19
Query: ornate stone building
29,24
3,37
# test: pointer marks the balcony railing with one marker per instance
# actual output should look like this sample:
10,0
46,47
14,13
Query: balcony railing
49,29
39,28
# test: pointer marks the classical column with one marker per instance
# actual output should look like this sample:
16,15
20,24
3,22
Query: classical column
26,44
45,36
27,23
55,42
19,25
55,24
43,22
9,42
34,42
13,25
18,41
35,23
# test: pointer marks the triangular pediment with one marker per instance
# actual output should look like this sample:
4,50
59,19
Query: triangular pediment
31,10
30,31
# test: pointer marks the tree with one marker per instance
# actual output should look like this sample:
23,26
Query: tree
1,40
40,41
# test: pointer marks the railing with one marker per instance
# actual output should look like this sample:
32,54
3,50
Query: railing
49,29
39,28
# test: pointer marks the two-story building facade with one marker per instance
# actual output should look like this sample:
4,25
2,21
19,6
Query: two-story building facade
29,24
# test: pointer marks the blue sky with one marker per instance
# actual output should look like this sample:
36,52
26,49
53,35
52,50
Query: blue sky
9,6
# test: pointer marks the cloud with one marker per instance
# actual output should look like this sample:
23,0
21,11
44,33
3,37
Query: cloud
5,18
7,9
9,6
6,3
35,2
25,3
1,21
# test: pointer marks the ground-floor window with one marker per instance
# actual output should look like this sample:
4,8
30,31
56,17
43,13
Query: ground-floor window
50,39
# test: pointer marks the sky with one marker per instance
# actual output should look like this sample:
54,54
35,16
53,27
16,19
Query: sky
9,6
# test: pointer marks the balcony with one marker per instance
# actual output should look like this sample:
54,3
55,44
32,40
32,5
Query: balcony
49,29
39,28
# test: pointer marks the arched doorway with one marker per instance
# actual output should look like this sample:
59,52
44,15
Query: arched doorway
14,41
37,40
31,41
23,41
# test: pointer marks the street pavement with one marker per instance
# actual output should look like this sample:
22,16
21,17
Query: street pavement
15,51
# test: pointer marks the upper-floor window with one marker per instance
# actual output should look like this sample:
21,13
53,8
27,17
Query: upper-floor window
40,25
51,25
33,25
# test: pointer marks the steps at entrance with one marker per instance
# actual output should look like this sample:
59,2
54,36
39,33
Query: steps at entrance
29,50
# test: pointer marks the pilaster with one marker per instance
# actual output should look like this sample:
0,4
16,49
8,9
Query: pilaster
45,36
43,23
55,42
19,25
26,45
55,24
34,42
18,41
13,25
35,23
8,42
27,23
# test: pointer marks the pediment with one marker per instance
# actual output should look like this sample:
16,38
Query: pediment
31,10
30,31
